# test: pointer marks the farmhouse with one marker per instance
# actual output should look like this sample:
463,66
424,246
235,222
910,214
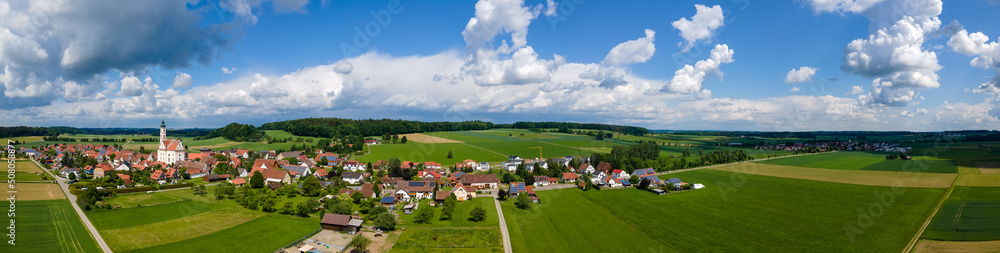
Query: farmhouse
585,169
440,196
264,164
340,222
541,181
297,171
415,189
353,166
463,193
288,154
517,188
481,181
276,175
352,177
569,177
648,174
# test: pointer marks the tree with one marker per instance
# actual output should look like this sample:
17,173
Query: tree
403,140
257,180
287,209
395,138
449,154
424,215
323,161
360,243
644,183
357,196
523,201
529,180
269,204
302,209
477,214
72,176
501,194
311,186
449,207
507,178
386,221
633,180
341,208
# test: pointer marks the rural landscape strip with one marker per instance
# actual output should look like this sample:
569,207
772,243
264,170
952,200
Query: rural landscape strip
79,212
916,238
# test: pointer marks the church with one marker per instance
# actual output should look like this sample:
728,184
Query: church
170,151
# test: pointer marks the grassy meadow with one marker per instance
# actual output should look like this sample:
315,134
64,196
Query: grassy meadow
736,212
857,160
460,218
456,240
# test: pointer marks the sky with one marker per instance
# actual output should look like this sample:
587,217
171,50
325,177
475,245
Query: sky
800,65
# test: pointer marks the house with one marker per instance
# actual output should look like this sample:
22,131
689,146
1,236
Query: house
517,188
99,172
510,166
213,178
390,182
454,177
388,201
157,175
432,165
366,193
483,166
264,164
126,179
340,222
171,174
276,175
428,173
122,167
283,155
569,177
352,177
320,173
330,157
273,185
676,182
480,181
197,173
297,171
463,193
238,181
648,174
617,173
372,142
440,196
612,182
541,181
415,189
586,169
354,166
66,171
604,167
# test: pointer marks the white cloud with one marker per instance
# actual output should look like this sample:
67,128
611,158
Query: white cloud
131,86
344,67
893,53
633,51
701,26
226,70
801,75
508,64
794,89
550,9
855,90
967,116
688,79
182,80
496,16
987,55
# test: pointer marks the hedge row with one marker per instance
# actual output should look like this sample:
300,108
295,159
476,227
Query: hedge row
76,191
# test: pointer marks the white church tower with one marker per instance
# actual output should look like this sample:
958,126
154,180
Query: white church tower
170,151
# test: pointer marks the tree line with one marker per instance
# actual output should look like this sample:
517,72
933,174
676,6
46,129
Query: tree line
565,126
236,132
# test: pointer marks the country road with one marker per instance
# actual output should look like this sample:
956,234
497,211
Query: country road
72,200
503,228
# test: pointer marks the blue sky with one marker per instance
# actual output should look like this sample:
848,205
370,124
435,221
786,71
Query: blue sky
714,65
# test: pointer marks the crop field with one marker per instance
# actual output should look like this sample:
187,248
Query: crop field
853,160
49,226
418,137
179,221
26,166
978,180
460,218
264,234
449,240
932,246
437,152
39,191
862,177
736,212
969,214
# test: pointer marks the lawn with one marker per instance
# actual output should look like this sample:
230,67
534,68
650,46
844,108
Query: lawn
264,234
437,152
49,226
449,240
127,217
736,212
175,230
919,163
26,166
845,160
969,214
141,199
460,218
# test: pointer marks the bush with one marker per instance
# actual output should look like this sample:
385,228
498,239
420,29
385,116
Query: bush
424,215
386,221
523,201
477,214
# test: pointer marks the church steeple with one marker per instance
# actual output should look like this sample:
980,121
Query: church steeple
163,131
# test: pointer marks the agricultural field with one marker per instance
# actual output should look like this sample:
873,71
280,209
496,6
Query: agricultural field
736,212
969,214
459,217
932,246
855,160
862,177
449,240
49,226
437,152
178,220
26,166
39,191
978,180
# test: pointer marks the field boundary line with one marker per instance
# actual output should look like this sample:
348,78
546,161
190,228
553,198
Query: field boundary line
916,238
498,153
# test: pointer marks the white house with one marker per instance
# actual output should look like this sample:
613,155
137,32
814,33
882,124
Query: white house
352,177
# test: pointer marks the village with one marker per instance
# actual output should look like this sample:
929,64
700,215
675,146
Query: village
110,170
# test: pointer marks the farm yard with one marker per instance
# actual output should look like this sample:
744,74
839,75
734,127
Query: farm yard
726,216
49,226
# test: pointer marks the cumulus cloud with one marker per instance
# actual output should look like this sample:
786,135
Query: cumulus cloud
855,90
801,75
701,26
182,80
987,55
633,51
794,89
226,70
893,53
688,79
344,67
496,16
513,63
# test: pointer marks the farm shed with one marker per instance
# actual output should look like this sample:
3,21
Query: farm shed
340,222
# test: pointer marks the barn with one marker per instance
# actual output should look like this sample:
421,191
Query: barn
340,222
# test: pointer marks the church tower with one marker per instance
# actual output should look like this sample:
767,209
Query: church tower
163,130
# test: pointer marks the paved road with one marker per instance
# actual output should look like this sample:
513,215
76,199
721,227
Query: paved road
503,228
72,200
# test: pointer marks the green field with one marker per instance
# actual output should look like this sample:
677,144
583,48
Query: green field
437,152
459,217
179,221
736,212
449,240
49,226
854,160
969,214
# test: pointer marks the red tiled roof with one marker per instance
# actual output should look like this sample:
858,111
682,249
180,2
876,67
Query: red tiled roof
238,181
